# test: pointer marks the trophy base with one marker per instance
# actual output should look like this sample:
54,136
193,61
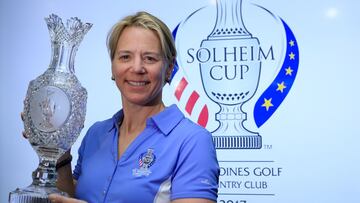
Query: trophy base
33,194
237,142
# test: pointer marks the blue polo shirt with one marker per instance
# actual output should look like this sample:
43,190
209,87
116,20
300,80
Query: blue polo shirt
172,158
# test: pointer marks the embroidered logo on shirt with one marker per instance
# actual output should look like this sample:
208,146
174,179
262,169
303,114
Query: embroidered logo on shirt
205,181
146,160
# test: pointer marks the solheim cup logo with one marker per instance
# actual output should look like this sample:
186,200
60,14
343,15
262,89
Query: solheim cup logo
229,59
237,62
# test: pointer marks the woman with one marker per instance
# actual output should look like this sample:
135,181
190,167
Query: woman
146,152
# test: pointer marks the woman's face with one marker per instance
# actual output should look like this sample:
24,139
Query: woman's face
139,67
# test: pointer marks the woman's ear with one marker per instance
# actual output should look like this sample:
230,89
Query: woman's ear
112,72
169,72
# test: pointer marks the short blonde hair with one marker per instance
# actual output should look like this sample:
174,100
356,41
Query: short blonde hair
147,21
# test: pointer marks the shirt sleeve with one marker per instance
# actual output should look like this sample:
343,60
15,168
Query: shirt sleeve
77,169
197,170
81,151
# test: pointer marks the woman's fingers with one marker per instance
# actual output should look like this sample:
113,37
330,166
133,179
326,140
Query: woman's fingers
55,198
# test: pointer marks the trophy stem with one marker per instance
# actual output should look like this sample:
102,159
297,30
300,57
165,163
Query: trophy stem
45,175
231,133
44,183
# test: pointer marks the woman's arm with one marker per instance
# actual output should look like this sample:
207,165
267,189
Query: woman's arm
65,181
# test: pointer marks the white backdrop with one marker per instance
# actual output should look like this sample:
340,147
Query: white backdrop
313,137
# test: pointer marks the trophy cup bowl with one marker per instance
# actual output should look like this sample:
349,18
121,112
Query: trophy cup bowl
229,81
54,109
54,114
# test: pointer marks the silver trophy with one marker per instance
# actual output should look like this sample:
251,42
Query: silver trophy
230,72
54,109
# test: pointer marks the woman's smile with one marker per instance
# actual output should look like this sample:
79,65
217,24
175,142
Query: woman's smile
137,83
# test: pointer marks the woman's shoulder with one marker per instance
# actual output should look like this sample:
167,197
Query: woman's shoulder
187,123
187,130
175,120
104,126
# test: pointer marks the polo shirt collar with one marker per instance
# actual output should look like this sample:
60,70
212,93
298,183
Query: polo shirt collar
165,121
116,119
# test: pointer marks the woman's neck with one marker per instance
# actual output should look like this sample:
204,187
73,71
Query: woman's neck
135,117
134,123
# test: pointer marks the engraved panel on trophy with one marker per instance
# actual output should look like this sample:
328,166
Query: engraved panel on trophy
49,108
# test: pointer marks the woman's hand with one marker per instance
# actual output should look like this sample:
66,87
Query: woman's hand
55,198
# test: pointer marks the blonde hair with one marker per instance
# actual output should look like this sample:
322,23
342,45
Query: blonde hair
147,21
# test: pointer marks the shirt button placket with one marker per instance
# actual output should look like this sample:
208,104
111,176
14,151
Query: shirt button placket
104,195
107,186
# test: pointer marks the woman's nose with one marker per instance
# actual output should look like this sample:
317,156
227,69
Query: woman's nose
138,65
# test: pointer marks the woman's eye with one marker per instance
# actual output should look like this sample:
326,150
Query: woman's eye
150,59
124,57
